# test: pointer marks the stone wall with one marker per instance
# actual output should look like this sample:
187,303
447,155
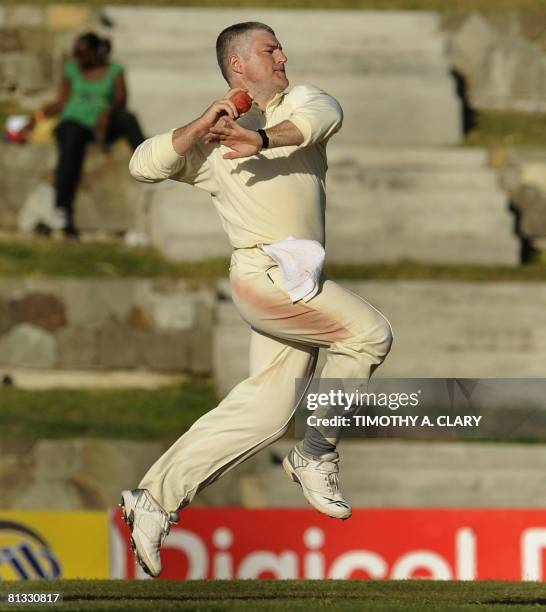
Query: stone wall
87,324
34,42
441,328
524,178
70,475
502,58
108,201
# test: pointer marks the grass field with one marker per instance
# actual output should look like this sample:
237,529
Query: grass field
298,595
507,128
137,414
43,258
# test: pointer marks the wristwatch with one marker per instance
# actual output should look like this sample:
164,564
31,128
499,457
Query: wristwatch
265,138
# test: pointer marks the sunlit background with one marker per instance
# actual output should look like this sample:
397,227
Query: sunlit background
112,344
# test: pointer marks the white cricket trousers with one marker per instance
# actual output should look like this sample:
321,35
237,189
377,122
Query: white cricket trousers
284,346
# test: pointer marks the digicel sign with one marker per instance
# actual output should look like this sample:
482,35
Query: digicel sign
448,544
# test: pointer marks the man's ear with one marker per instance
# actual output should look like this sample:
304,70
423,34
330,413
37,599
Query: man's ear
235,62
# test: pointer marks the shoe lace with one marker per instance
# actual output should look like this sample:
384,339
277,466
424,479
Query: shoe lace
148,504
330,469
333,482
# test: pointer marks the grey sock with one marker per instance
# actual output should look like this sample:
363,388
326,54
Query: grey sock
315,444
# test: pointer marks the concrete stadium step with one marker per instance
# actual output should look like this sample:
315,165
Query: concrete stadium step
400,214
196,61
387,67
472,180
363,225
394,473
184,225
388,85
376,115
169,54
383,29
358,59
373,62
417,225
407,157
419,247
373,115
431,201
378,29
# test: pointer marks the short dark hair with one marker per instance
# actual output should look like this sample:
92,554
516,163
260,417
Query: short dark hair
227,37
90,39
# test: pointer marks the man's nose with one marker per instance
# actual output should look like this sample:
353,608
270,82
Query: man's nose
281,57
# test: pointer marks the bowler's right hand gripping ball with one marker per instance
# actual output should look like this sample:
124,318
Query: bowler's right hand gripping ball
242,101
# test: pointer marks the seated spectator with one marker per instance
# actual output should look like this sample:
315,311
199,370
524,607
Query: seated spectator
91,107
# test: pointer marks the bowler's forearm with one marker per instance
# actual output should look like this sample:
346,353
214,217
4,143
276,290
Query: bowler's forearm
185,137
284,134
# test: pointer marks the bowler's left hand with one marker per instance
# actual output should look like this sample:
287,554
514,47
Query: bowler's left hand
243,142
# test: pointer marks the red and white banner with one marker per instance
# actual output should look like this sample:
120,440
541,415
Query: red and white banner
449,544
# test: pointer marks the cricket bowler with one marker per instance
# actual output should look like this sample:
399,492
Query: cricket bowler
265,170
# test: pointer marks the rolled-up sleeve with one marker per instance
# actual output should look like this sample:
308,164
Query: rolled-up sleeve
316,114
155,159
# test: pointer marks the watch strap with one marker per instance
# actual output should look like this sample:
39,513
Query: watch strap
265,138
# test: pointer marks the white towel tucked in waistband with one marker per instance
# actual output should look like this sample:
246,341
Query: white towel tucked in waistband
301,263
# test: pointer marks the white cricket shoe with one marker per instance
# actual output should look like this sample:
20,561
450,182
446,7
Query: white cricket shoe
149,525
319,481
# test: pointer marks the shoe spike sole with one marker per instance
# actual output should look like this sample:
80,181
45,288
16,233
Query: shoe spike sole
128,519
138,559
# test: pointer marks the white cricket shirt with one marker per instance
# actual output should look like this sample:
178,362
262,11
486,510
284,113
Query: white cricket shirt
266,197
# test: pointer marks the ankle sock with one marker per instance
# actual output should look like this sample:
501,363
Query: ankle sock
315,444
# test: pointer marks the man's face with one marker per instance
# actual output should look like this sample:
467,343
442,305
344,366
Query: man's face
263,62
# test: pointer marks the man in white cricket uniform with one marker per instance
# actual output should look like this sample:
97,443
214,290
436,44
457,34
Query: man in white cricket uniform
266,185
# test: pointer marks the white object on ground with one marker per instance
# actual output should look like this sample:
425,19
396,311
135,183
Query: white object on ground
38,207
16,123
136,238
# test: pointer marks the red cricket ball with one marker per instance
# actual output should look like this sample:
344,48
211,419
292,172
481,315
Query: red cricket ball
242,101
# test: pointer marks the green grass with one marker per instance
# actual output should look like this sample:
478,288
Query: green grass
408,270
293,596
48,258
43,257
159,414
508,128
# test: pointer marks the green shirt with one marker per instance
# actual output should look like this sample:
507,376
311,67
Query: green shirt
89,97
